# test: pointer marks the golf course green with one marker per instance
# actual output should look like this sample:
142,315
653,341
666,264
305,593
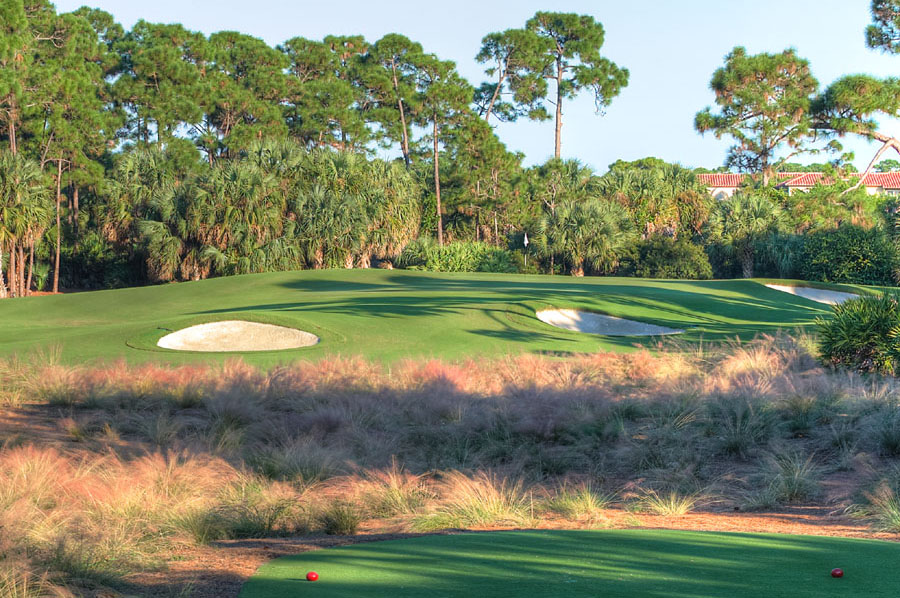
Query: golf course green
573,564
389,315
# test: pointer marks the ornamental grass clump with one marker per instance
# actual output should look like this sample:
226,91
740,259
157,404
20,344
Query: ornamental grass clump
792,476
340,518
884,508
671,502
483,499
580,502
392,491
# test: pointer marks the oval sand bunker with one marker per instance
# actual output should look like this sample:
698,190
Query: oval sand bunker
817,295
585,321
237,335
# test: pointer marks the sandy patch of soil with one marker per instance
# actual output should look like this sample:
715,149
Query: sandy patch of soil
585,321
817,295
237,335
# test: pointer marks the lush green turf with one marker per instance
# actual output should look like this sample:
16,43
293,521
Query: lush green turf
573,564
389,315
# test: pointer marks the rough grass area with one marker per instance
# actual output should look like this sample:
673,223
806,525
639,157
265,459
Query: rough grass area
586,564
106,472
389,316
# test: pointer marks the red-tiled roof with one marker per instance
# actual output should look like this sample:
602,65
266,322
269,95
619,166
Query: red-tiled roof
885,180
730,179
803,179
721,179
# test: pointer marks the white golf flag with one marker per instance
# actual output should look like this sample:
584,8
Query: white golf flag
526,239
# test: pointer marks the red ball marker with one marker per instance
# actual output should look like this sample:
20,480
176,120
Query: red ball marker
313,576
837,573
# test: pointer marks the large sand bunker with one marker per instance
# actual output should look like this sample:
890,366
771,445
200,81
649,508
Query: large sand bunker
585,321
817,295
237,335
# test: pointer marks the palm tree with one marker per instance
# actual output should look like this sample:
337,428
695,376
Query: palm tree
164,250
640,191
349,209
26,213
281,159
162,228
238,212
741,221
333,227
662,198
139,179
560,180
394,210
592,233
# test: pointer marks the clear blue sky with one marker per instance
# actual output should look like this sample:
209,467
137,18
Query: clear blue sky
671,48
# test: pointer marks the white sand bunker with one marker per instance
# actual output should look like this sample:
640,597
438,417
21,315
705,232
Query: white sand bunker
585,321
237,335
818,295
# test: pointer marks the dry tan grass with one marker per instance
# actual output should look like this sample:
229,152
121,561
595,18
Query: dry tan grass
17,580
134,462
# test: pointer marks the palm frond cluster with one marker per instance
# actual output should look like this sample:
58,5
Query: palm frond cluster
278,207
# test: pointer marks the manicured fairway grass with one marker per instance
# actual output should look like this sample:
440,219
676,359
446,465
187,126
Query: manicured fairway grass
574,564
388,315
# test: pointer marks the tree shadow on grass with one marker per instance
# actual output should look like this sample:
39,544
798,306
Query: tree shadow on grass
583,564
714,310
535,563
234,561
684,304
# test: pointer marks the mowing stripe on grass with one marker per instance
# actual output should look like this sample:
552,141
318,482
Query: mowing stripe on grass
391,315
595,563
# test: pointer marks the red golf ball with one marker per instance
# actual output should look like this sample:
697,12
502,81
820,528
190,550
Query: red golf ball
837,572
312,576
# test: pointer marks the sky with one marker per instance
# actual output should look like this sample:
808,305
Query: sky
671,48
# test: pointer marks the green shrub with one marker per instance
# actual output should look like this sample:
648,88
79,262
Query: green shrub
96,264
424,254
864,334
723,260
778,255
665,257
41,275
850,254
415,254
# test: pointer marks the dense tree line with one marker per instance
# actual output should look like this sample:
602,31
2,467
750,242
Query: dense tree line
161,153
